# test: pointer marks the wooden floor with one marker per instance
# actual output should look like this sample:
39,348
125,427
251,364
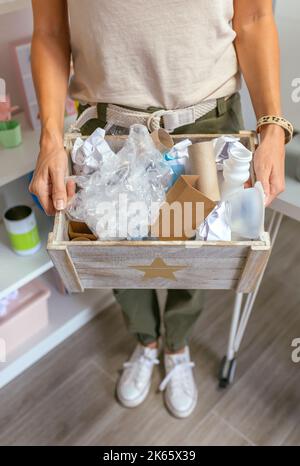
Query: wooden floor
68,397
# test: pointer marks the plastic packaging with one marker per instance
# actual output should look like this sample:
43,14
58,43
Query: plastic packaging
89,155
178,159
245,212
236,169
215,227
221,148
26,316
115,201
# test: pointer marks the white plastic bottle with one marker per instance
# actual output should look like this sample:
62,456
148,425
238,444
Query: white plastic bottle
236,170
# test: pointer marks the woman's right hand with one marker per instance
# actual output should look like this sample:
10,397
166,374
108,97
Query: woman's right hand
48,182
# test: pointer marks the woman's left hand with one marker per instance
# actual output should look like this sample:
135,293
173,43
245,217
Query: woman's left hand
269,161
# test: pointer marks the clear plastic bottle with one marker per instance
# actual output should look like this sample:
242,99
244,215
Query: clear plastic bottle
236,170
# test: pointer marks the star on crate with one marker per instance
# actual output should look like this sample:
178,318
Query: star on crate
158,269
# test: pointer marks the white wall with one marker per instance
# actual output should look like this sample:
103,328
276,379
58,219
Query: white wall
287,13
288,21
248,112
13,26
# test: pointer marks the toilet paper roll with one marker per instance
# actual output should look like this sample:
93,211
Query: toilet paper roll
202,163
162,140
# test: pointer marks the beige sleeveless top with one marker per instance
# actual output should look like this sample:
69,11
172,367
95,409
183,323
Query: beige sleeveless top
161,53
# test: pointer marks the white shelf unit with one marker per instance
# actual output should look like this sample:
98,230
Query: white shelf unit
9,6
67,314
16,271
19,161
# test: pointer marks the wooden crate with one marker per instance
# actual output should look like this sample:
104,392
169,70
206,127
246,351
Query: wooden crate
158,264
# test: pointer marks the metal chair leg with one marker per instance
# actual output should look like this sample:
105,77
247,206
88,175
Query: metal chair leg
228,364
241,315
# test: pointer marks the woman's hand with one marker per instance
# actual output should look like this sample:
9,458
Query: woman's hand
48,183
269,161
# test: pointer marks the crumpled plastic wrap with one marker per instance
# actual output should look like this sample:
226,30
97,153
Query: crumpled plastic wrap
122,192
89,155
215,227
222,146
178,159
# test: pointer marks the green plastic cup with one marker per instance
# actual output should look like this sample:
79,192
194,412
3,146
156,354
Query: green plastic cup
10,134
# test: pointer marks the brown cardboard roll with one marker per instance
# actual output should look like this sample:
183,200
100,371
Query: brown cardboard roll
162,140
203,164
81,230
81,238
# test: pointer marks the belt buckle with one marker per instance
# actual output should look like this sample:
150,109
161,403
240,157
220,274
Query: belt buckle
174,119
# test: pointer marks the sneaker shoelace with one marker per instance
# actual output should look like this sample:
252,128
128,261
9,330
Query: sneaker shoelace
178,377
141,367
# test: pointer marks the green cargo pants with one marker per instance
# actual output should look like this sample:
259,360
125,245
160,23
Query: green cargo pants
183,307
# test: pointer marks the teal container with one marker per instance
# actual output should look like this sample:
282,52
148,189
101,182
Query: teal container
10,134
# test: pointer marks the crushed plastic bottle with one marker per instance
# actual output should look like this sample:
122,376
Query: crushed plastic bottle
137,174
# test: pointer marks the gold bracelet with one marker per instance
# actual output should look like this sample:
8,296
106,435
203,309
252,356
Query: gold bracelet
279,121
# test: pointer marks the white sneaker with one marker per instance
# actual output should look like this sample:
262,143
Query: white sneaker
181,392
135,381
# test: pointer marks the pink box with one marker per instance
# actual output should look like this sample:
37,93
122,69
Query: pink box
26,316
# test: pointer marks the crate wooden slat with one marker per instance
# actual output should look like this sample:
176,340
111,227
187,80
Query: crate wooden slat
254,266
164,284
157,264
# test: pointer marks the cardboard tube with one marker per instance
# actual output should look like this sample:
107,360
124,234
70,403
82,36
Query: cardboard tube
203,163
81,230
162,140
